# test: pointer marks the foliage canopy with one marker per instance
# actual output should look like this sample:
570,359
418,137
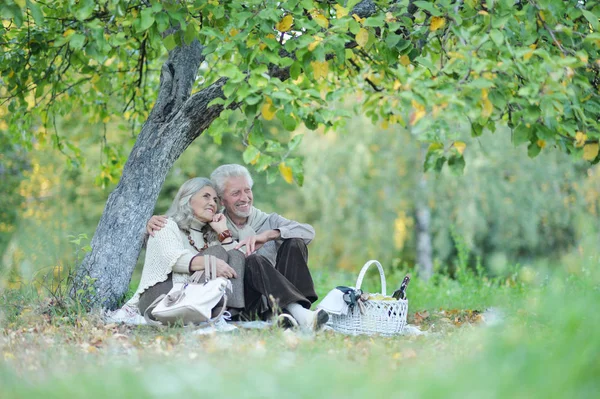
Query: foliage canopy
434,67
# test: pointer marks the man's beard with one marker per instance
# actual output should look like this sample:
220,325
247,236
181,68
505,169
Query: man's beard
241,214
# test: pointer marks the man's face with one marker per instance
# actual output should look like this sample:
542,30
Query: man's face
237,196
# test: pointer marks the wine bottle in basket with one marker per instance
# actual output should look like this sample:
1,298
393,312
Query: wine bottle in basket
401,292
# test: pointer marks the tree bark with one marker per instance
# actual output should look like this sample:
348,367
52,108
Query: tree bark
175,121
423,232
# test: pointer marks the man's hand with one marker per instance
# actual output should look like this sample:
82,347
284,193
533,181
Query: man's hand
155,223
219,223
254,243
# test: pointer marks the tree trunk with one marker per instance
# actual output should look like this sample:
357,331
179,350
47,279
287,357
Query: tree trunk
423,219
175,121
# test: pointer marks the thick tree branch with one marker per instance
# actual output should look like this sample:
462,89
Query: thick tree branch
176,80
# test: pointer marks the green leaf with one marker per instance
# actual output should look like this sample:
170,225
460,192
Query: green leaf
424,5
351,3
256,136
282,95
147,19
295,141
520,135
391,40
476,130
77,40
289,123
310,122
170,42
85,8
250,154
295,70
456,164
497,37
253,99
14,11
376,21
36,13
533,150
272,176
592,19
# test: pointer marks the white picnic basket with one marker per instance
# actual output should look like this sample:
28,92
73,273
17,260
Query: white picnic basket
383,317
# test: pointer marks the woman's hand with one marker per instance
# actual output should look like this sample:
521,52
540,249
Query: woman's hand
219,223
156,223
223,269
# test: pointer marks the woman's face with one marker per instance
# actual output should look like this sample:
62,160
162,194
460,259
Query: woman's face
204,204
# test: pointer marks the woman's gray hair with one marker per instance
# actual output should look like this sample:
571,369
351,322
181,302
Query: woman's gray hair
181,211
223,172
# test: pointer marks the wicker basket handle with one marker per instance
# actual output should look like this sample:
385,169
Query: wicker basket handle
363,271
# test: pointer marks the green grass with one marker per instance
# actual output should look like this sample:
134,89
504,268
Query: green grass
546,346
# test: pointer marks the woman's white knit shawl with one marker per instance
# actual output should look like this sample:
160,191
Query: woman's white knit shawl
162,252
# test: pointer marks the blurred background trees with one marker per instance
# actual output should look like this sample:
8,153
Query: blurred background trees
362,188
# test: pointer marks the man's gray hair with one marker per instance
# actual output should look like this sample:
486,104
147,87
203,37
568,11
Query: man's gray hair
181,211
223,172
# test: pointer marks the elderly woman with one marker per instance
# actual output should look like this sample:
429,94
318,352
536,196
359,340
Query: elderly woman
194,228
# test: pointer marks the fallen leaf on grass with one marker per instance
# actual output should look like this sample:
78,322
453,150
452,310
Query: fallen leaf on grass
420,316
409,354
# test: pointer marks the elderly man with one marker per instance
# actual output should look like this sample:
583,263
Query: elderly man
275,247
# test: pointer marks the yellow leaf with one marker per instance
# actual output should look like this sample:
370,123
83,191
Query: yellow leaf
389,17
362,37
460,146
541,143
483,12
528,55
435,146
68,32
255,159
404,60
590,151
285,24
320,19
268,110
320,69
106,119
487,105
385,124
580,139
314,44
542,16
397,84
233,32
340,12
358,19
286,172
418,113
437,23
